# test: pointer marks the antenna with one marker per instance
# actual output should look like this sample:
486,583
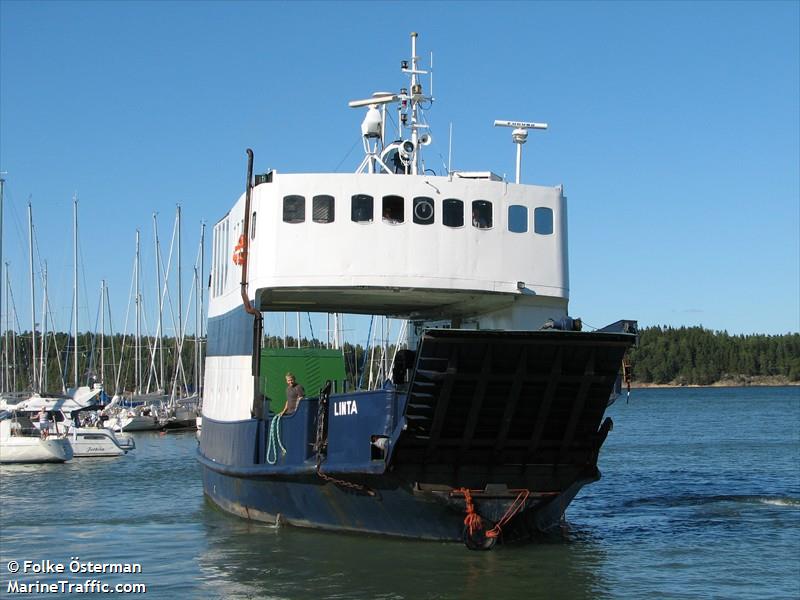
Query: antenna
450,151
520,136
373,128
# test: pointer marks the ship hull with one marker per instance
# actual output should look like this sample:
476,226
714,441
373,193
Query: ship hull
501,426
395,510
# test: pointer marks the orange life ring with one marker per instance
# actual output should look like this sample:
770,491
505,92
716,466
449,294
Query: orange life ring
238,251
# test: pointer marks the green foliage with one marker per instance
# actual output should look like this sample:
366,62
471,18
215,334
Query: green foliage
694,355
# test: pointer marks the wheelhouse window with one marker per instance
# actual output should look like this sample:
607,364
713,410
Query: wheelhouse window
517,218
543,220
453,212
294,209
423,210
481,214
322,210
393,209
361,208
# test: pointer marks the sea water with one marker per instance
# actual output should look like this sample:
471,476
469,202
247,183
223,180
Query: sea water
700,498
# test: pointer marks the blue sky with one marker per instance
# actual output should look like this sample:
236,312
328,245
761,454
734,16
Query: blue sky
673,127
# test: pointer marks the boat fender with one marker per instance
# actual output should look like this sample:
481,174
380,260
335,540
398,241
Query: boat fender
473,535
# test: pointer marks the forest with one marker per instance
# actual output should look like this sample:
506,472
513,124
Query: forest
664,355
698,356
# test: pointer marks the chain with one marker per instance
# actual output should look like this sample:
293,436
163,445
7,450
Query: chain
321,445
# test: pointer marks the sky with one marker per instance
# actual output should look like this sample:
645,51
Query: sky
674,128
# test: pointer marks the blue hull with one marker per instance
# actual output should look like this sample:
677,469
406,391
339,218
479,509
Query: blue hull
394,511
515,418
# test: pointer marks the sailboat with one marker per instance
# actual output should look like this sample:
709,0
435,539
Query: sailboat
17,442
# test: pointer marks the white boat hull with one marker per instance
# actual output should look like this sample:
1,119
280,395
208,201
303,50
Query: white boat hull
87,442
135,423
22,449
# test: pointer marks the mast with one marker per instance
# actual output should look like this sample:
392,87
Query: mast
4,377
180,283
198,313
201,286
196,329
75,289
43,357
415,89
160,374
6,336
102,330
15,321
33,299
138,350
179,335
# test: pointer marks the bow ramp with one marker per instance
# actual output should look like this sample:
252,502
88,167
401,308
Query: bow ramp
481,402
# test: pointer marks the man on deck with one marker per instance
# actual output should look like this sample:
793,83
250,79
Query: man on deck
294,393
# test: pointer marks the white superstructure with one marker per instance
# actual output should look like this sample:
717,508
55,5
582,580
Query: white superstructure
323,241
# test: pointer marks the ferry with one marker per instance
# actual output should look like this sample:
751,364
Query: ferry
493,415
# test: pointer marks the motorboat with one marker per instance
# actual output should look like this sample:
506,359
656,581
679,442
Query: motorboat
19,446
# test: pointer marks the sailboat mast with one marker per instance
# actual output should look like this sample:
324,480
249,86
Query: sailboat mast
180,283
4,376
138,349
7,336
160,375
179,335
75,289
33,299
196,330
102,330
43,357
7,377
201,286
15,321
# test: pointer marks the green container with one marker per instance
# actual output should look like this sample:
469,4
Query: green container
311,367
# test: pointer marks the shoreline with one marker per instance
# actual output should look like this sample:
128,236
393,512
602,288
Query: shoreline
761,381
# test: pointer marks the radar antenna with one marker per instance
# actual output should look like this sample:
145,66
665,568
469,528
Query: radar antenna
404,155
520,136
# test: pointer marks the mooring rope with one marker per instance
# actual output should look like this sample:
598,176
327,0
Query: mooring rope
274,440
